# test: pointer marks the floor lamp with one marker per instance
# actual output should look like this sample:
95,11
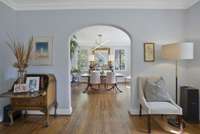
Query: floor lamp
177,52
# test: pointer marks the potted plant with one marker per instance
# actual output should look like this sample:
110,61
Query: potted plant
73,46
75,74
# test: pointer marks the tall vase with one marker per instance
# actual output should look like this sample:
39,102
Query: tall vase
21,75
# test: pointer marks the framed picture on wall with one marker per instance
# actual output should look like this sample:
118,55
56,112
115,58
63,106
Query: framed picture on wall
149,52
42,51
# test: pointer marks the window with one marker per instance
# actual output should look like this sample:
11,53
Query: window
119,59
83,59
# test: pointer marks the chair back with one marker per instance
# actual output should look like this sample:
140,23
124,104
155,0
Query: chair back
110,78
142,82
95,77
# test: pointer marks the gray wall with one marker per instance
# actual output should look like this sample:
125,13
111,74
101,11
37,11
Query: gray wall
159,26
192,22
7,25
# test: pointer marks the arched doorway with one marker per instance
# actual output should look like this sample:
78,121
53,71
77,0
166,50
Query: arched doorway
100,36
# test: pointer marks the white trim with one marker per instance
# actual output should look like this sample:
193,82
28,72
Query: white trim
60,111
133,111
150,4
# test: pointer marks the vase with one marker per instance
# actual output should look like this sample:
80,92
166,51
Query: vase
21,75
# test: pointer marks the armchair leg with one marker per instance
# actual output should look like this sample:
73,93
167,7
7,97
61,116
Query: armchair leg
140,114
180,120
55,112
149,123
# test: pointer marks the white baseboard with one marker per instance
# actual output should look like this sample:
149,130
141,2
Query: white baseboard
60,111
1,118
133,111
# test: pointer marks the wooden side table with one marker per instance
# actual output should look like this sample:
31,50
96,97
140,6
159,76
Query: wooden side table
41,100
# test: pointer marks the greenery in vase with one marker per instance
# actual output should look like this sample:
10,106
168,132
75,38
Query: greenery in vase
73,46
75,70
21,53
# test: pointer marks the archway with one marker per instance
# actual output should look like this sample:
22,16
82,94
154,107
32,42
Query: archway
130,70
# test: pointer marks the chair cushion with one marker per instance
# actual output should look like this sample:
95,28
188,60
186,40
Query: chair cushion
163,108
155,90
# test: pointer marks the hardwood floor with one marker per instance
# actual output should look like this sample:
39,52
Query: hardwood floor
95,113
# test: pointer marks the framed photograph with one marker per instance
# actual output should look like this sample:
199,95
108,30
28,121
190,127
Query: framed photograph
149,52
42,51
20,88
33,83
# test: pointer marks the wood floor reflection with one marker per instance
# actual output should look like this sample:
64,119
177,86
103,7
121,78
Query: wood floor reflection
95,113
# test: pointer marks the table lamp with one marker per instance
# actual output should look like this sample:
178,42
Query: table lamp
91,59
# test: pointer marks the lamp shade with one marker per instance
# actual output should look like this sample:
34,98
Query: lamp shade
178,51
111,58
91,58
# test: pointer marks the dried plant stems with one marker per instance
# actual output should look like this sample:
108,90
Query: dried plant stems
21,53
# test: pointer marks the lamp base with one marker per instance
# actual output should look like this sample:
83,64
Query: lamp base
173,122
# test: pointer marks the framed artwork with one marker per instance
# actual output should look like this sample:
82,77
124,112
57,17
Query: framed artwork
42,51
149,52
33,83
20,88
101,56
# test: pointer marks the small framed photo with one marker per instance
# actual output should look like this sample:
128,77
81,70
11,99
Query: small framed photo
42,51
149,52
33,83
20,88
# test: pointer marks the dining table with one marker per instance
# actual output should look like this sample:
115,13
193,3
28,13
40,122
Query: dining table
103,76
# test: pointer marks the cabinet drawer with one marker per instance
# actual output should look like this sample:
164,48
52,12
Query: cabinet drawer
28,102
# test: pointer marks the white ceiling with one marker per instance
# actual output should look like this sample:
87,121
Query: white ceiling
115,37
98,4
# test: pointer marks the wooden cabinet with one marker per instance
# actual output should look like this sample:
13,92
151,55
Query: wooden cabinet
42,100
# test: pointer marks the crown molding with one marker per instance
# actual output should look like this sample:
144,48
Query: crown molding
179,4
190,4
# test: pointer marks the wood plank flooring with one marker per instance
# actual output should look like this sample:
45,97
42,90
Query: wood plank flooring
95,113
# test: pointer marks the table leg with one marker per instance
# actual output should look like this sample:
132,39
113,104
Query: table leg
46,117
88,86
118,88
10,114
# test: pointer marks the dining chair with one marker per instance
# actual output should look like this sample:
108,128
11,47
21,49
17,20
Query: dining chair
111,80
95,78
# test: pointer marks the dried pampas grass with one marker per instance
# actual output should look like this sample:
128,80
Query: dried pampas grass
21,53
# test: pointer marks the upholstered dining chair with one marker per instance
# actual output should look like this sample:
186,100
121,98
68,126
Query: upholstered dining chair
95,78
155,107
111,80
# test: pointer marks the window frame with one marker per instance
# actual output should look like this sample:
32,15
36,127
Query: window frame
125,68
87,53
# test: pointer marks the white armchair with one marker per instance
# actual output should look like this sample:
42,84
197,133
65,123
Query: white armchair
156,108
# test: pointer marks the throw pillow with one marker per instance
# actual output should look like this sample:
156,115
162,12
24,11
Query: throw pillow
155,90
